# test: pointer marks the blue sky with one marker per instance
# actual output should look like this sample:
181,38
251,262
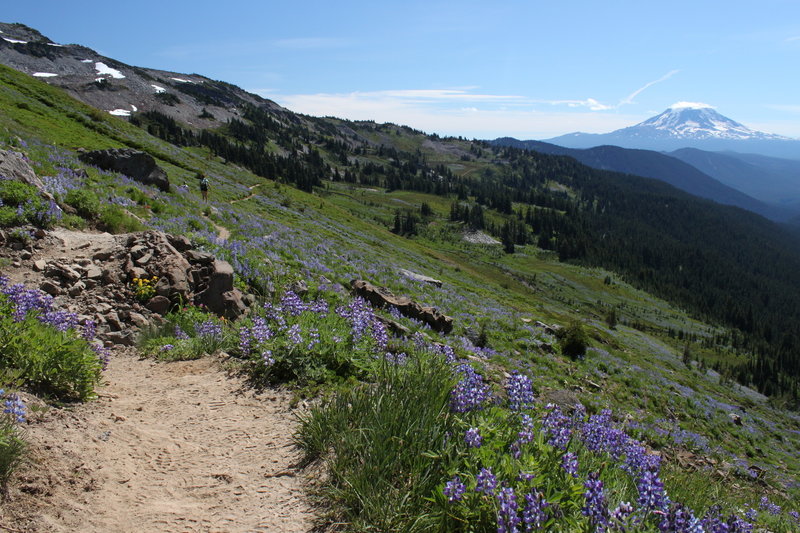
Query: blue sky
528,69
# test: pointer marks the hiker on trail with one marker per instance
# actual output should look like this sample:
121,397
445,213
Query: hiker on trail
203,185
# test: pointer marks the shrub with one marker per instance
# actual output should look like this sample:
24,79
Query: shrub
84,201
573,340
13,192
41,345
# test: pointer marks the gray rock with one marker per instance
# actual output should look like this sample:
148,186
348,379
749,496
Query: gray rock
419,277
381,297
137,165
77,289
202,258
13,165
179,242
138,319
159,304
94,272
50,288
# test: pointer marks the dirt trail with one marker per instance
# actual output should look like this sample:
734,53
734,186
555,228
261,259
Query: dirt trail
167,447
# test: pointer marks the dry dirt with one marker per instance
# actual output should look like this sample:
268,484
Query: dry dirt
166,447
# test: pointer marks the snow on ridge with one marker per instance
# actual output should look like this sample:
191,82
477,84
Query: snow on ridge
44,75
55,44
182,80
14,41
158,89
86,61
690,105
102,68
120,112
134,108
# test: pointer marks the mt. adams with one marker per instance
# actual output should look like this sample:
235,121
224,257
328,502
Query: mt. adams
687,124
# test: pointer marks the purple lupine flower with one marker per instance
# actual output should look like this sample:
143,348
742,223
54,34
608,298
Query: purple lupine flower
486,481
360,315
519,389
319,307
103,353
795,516
89,331
180,334
470,392
772,508
260,331
313,338
167,347
380,334
534,513
751,514
294,335
679,518
396,358
713,522
569,462
621,518
244,341
508,518
651,492
473,438
60,320
291,304
208,330
15,407
266,356
596,507
454,489
557,424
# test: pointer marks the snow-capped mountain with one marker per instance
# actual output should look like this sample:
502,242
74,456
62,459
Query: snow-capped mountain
688,125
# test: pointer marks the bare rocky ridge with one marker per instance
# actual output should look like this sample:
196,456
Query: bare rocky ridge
166,446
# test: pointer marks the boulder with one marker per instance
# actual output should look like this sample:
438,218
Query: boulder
137,165
15,166
382,297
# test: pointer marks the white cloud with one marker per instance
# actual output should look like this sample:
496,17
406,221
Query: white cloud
793,39
448,112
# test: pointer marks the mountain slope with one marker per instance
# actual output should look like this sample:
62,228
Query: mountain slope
767,178
706,257
656,165
688,125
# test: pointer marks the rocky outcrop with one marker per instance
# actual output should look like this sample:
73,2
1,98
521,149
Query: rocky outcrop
92,276
137,165
383,298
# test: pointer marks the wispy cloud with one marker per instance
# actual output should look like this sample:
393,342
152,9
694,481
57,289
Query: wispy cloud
793,39
630,98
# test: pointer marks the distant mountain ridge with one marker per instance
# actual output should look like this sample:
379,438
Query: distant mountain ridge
651,164
688,125
122,89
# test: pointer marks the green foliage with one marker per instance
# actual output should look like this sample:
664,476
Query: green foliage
13,192
115,219
188,333
12,449
84,201
55,363
382,443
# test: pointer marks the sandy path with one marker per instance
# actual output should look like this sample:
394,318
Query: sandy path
167,447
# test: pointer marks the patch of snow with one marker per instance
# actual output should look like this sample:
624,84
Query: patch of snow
158,89
55,44
691,105
86,60
133,107
98,80
102,68
181,80
44,75
14,41
120,112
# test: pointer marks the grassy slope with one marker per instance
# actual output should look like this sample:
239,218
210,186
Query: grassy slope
341,234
